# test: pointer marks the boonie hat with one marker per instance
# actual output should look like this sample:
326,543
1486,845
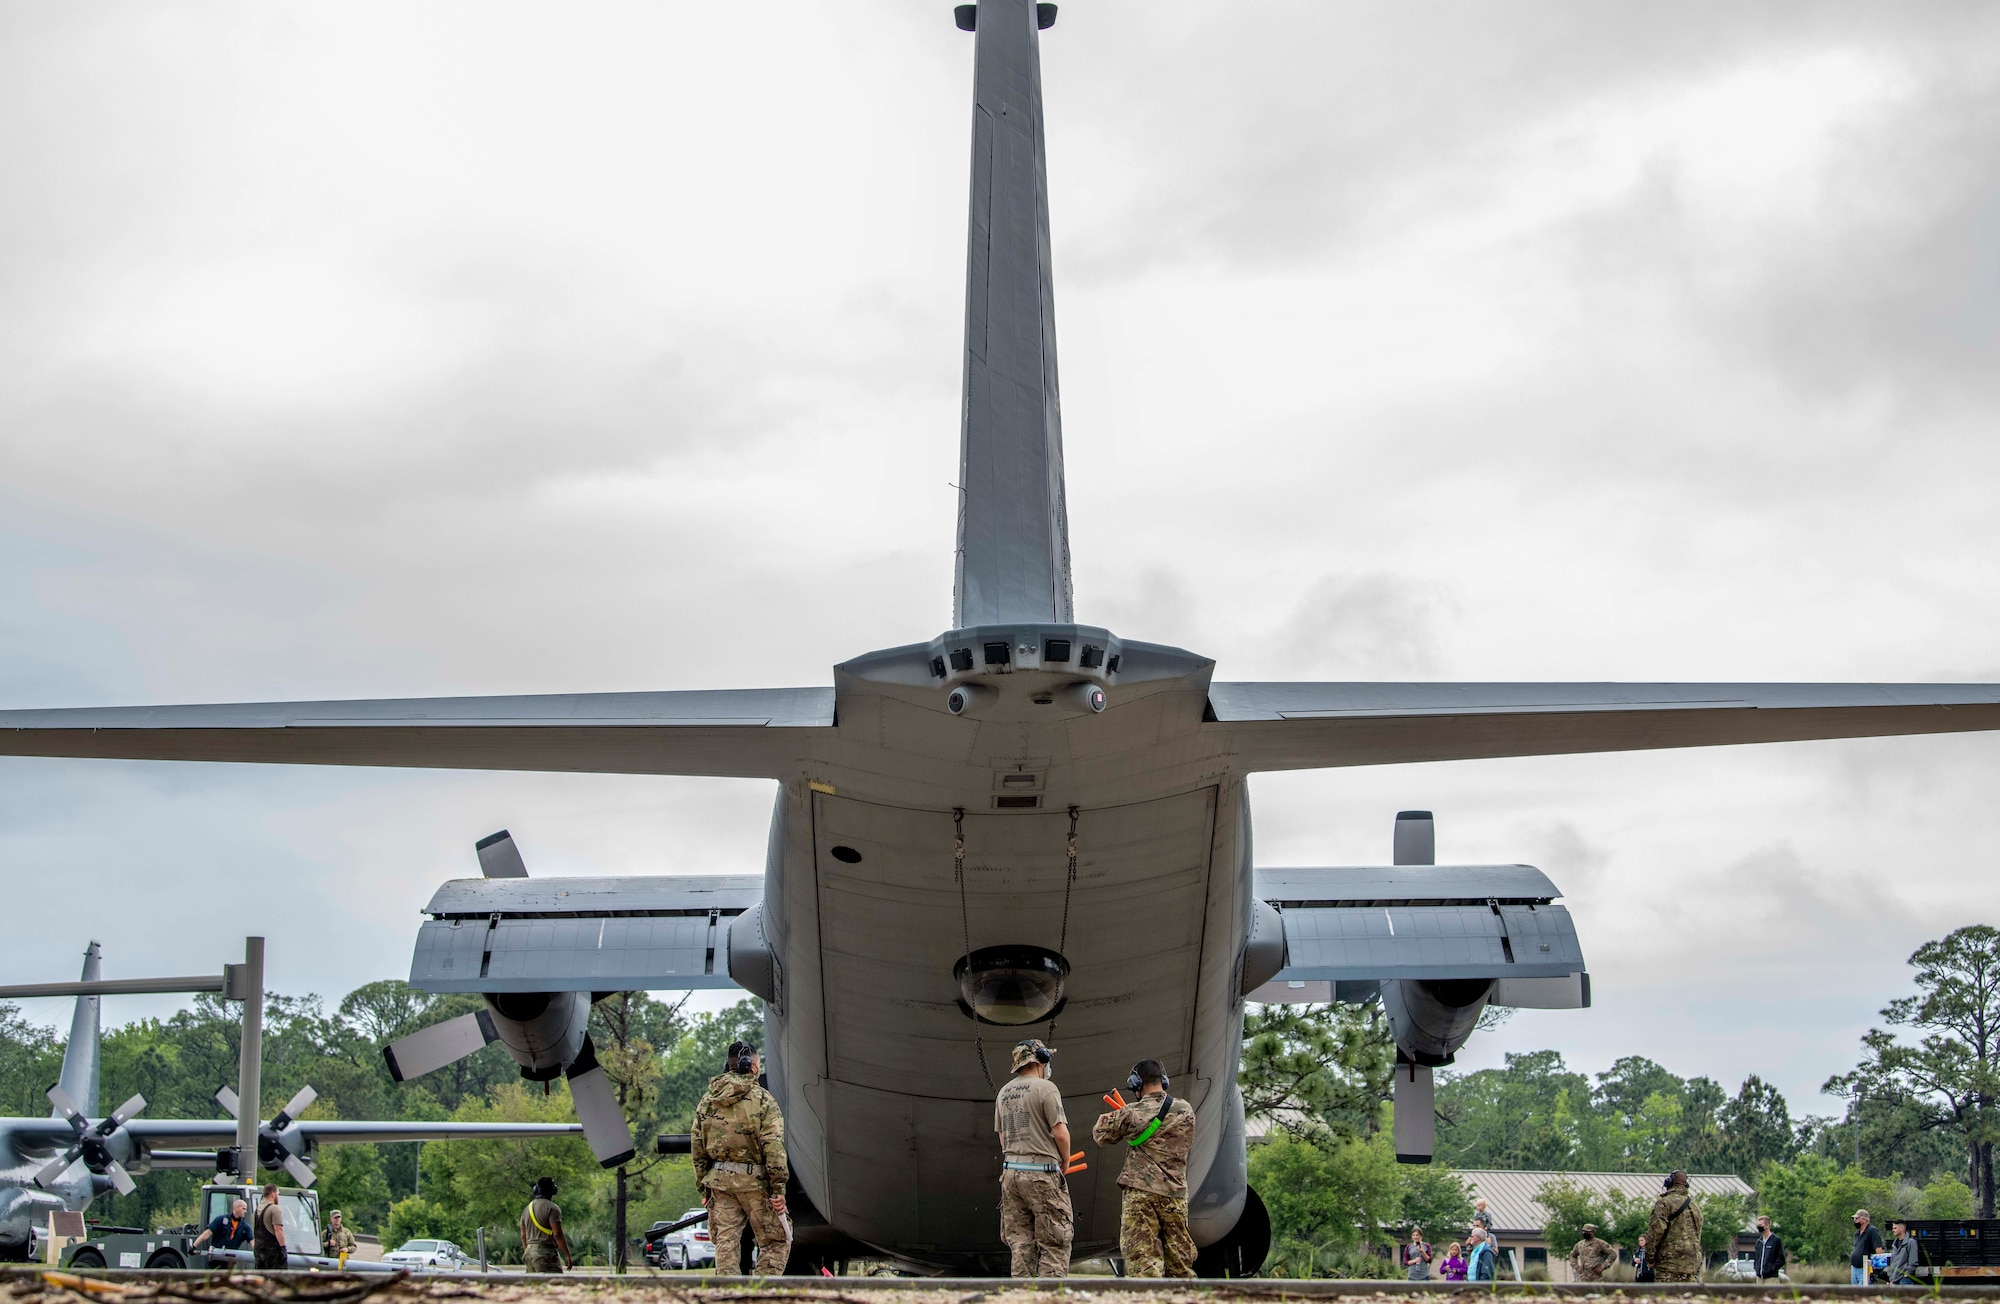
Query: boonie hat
1024,1054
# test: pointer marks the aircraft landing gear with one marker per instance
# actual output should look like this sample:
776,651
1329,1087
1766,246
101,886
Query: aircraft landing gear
1242,1252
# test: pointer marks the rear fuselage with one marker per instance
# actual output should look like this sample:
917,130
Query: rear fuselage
886,1080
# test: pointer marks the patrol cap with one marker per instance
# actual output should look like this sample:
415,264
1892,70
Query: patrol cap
1025,1053
1590,1227
336,1214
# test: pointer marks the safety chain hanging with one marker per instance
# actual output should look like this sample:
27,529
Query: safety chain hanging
965,922
1069,886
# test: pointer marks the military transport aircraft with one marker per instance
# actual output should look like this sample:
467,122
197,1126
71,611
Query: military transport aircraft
1022,826
65,1161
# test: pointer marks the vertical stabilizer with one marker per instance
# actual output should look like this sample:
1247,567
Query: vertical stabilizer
1013,526
79,1066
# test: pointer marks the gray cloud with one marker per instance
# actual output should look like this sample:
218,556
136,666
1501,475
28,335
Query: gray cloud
501,355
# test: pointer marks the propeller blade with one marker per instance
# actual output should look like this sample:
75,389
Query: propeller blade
597,1108
120,1179
225,1096
53,1173
122,1115
1415,1099
439,1045
298,1105
500,858
300,1170
65,1104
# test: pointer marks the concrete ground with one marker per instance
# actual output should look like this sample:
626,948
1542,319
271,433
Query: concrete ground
34,1286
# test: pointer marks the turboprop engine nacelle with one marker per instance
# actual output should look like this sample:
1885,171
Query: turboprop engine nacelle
543,1031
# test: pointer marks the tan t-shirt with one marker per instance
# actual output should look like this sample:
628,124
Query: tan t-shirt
1026,1116
273,1219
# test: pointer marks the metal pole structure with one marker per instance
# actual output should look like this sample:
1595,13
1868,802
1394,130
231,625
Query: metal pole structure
250,1063
482,1247
117,987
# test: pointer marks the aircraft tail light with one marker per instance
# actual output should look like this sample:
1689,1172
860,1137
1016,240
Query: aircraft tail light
1092,658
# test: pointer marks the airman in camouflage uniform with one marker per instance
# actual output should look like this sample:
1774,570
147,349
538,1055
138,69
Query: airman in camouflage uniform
1153,1232
1673,1236
1591,1258
1036,1220
738,1144
339,1239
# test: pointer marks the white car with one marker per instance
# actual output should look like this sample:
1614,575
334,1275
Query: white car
432,1255
1742,1270
690,1247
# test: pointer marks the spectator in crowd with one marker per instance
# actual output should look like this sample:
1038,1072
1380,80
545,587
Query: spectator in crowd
1867,1241
1453,1267
1902,1255
1639,1260
1480,1261
1770,1256
1416,1256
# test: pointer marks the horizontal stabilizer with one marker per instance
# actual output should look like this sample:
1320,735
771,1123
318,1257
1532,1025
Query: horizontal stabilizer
664,933
1293,726
727,733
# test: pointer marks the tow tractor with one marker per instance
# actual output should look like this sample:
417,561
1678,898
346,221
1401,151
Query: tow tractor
174,1247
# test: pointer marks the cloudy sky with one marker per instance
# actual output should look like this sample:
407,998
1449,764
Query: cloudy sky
420,348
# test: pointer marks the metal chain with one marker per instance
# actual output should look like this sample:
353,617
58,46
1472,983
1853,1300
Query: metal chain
965,920
1069,886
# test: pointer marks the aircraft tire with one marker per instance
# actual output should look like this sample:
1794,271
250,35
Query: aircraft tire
166,1257
1242,1252
87,1257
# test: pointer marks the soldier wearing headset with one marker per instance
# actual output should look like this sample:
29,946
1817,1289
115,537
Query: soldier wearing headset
1036,1221
738,1145
1158,1132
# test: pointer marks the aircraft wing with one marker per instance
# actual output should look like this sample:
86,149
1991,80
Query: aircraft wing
164,1133
730,733
1302,726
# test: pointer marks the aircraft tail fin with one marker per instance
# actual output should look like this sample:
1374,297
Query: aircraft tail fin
79,1066
1013,522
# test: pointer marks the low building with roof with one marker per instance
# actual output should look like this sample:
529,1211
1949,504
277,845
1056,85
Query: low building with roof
1513,1200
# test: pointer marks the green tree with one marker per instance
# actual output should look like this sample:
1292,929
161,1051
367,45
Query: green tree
30,1059
417,1217
1829,1212
1756,1129
1782,1192
351,1180
1533,1114
1318,1071
1435,1199
485,1183
1945,1197
1337,1195
627,1028
1953,1070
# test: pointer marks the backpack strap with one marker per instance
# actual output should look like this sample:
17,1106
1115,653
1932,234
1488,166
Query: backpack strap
1153,1125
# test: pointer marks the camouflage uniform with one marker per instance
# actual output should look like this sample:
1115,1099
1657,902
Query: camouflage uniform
1591,1258
538,1236
1153,1232
340,1240
1675,1254
739,1161
1036,1220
